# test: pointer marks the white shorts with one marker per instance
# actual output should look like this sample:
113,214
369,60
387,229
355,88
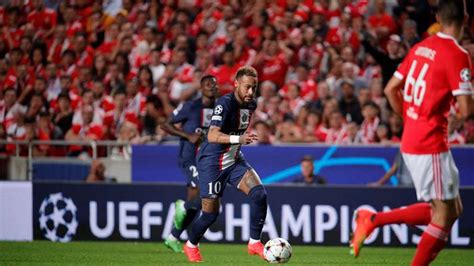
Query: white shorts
435,176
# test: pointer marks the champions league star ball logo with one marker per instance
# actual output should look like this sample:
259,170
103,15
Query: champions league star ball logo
466,74
58,218
218,110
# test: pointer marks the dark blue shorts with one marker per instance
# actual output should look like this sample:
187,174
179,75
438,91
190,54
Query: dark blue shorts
191,173
213,181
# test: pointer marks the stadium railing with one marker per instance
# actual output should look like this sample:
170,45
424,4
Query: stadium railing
25,150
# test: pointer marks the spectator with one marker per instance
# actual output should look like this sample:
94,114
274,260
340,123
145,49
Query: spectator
409,33
263,132
294,100
128,132
323,96
9,107
84,131
396,127
97,173
288,131
353,136
272,62
64,114
225,72
365,96
349,72
370,112
381,23
388,61
382,134
307,173
349,104
337,131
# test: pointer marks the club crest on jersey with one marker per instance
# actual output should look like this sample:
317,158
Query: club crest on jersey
218,110
244,119
466,74
207,116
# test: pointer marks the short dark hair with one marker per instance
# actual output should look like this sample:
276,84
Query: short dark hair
119,92
307,158
206,77
451,12
64,96
246,71
69,52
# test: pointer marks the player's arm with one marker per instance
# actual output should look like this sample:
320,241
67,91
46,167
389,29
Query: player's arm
466,106
216,136
394,94
170,128
459,77
385,177
180,115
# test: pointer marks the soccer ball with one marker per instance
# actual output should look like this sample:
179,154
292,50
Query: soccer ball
277,250
58,218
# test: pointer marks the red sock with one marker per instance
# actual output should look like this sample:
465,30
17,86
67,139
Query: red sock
432,242
415,214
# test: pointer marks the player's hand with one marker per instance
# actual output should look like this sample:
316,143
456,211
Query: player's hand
195,138
248,138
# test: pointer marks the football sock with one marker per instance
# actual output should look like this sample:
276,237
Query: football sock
201,225
253,241
258,210
192,206
432,242
189,244
415,214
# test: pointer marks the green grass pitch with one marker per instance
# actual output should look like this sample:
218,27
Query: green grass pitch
115,253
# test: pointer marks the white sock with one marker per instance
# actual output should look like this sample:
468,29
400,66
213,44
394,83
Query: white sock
172,238
253,241
191,245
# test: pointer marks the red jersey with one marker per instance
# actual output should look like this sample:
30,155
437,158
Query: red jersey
225,77
434,71
274,68
44,19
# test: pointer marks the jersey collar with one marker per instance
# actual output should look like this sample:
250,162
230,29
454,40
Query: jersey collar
445,36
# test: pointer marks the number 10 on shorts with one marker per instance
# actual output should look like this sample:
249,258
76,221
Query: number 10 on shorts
214,188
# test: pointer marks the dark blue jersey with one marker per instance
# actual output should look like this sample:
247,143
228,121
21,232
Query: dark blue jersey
194,118
233,119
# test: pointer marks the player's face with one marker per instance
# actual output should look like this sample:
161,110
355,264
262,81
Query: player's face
246,87
307,168
209,88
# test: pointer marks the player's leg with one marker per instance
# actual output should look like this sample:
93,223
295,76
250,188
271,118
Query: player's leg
209,214
192,206
446,205
212,183
251,185
185,211
415,214
435,236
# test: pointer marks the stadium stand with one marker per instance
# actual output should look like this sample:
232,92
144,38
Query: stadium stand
114,70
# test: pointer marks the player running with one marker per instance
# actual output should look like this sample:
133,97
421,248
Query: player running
195,118
220,162
433,73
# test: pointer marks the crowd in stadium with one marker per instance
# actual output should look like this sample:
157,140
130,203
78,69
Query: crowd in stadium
116,69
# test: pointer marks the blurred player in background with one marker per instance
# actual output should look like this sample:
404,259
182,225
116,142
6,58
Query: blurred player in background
195,118
220,162
433,73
